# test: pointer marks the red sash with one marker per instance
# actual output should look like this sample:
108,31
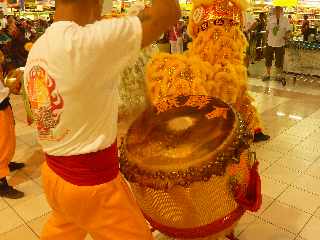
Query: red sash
87,169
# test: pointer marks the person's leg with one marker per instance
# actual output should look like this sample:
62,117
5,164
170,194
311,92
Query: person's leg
268,57
10,123
106,211
173,45
280,52
259,46
253,49
59,226
7,149
180,45
117,216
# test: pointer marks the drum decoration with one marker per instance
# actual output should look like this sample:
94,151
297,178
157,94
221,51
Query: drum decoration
188,164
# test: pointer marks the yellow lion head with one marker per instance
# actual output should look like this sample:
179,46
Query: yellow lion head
207,13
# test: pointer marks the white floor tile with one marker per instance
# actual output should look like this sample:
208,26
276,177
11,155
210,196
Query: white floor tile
315,115
300,238
292,140
3,204
282,174
279,146
9,220
37,224
268,155
38,181
294,163
310,147
20,233
308,183
300,199
312,230
30,189
263,166
271,187
300,131
286,217
244,222
33,208
314,170
298,152
260,230
266,203
317,214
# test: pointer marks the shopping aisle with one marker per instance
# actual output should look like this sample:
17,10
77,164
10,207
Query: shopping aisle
290,169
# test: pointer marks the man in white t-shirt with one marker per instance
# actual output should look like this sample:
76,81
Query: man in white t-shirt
71,78
278,32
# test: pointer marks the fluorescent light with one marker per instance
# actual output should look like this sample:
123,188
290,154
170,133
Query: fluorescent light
295,117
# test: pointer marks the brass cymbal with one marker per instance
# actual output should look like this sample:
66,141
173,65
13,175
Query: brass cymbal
13,80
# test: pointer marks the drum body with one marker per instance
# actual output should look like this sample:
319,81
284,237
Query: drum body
186,159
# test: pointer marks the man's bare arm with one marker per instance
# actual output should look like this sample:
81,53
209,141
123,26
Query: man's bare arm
157,19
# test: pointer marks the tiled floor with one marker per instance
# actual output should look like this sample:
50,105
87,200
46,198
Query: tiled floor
290,170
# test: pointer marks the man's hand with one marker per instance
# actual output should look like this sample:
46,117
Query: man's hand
157,19
287,36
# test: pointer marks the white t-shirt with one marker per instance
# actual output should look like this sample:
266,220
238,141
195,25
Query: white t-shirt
277,32
71,78
4,92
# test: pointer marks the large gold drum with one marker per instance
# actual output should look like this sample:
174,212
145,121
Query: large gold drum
187,162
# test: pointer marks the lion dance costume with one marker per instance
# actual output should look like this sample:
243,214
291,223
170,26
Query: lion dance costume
187,156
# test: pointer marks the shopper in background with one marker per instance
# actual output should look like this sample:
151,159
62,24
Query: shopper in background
260,28
305,28
17,52
249,26
3,21
291,22
175,39
186,38
278,32
72,76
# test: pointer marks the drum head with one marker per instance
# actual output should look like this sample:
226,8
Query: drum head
181,140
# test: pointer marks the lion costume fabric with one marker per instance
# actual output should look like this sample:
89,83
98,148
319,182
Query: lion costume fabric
214,63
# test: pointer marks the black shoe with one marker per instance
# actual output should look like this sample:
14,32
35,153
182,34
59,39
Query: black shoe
266,78
7,191
260,137
13,166
281,79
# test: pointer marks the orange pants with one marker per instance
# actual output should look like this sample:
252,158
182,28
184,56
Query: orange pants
7,140
107,212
